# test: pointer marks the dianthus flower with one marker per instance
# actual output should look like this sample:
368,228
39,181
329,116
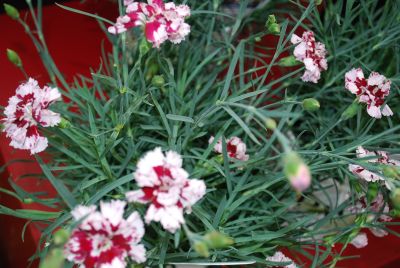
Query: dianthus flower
380,157
371,91
161,21
280,257
26,111
104,238
235,148
167,187
312,54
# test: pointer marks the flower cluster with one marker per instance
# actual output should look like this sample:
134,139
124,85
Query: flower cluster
27,110
235,147
161,21
280,257
104,238
371,91
312,54
167,187
378,157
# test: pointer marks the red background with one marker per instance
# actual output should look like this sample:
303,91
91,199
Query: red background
75,44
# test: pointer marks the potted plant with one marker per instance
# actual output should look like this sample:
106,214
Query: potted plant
172,152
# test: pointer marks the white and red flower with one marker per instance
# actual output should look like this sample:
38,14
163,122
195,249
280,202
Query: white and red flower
378,157
312,54
280,257
371,91
360,241
161,21
26,111
235,148
167,187
105,238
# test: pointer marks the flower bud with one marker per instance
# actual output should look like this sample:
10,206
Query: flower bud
270,123
218,240
257,39
373,190
201,248
27,200
11,11
297,172
395,198
310,104
61,237
64,123
272,25
14,58
158,81
144,47
54,259
123,90
350,111
288,62
391,172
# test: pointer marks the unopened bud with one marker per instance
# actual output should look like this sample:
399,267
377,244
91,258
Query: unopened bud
123,90
272,25
310,104
391,172
395,198
297,172
144,47
373,190
270,123
151,71
218,240
11,11
318,2
14,58
64,123
288,61
201,248
158,81
350,111
54,259
61,237
27,200
257,39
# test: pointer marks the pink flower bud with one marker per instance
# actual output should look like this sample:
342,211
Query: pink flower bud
302,179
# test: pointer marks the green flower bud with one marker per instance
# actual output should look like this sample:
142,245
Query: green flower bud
310,104
158,81
270,123
272,25
54,259
218,240
14,58
201,248
395,198
144,47
288,61
61,237
27,200
373,190
123,90
11,11
152,70
64,123
391,172
350,111
318,2
257,39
